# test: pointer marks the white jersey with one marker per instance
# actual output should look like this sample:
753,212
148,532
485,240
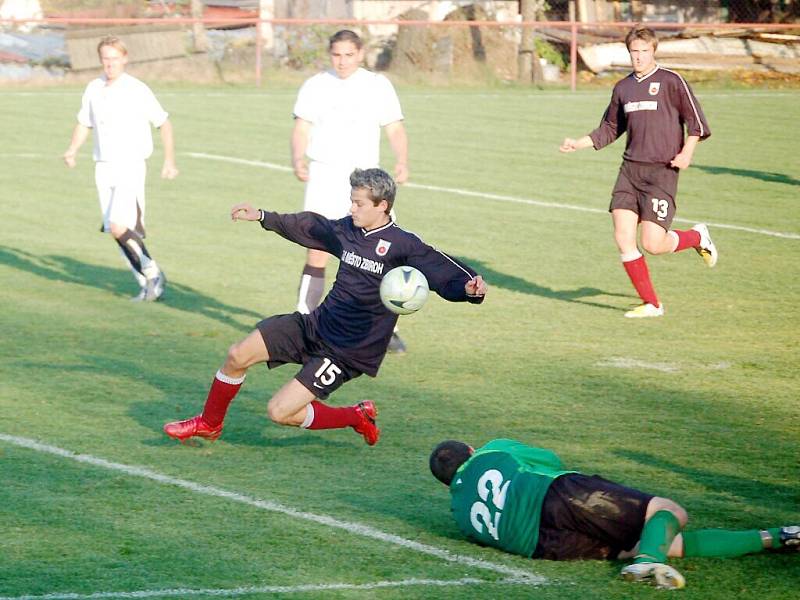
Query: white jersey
346,117
120,116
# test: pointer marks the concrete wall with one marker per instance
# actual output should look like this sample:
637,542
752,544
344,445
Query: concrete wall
144,43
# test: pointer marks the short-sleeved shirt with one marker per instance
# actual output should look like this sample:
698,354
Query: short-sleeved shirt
654,110
346,116
120,116
497,495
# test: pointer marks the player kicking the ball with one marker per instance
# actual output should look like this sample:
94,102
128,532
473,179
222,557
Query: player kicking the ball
345,336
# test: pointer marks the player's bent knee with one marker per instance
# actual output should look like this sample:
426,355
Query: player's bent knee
653,247
237,357
277,414
657,504
117,231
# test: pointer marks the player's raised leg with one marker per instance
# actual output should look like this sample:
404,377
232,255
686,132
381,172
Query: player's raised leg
295,405
226,384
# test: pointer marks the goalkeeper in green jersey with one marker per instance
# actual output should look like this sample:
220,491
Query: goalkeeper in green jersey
522,500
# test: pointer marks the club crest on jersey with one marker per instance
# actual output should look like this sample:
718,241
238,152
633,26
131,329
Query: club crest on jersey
382,248
654,87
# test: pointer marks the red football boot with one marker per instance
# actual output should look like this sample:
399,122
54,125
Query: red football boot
196,426
366,426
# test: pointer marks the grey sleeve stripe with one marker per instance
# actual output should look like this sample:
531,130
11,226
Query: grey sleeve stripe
691,101
455,263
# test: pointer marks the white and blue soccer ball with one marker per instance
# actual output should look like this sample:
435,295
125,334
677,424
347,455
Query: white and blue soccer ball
404,290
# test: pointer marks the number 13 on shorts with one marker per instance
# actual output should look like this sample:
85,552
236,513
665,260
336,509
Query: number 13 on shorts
661,208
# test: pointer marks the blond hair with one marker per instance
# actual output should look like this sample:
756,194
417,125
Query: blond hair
114,42
640,32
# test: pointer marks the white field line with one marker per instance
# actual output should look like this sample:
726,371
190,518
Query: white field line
265,589
498,197
620,362
208,490
633,363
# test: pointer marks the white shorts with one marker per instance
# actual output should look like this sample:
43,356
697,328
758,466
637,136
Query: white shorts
328,190
120,189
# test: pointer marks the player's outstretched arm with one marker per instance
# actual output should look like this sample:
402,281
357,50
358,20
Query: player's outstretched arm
244,211
476,287
79,135
571,145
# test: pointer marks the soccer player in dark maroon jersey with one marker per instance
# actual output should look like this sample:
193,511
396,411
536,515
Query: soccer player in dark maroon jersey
653,105
348,334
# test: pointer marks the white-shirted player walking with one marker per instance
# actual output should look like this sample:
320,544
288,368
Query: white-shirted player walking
338,117
119,109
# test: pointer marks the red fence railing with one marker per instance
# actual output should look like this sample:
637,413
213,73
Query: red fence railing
574,27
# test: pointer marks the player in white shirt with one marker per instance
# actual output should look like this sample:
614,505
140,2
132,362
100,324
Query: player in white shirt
338,117
119,110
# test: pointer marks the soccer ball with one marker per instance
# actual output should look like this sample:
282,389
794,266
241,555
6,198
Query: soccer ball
404,290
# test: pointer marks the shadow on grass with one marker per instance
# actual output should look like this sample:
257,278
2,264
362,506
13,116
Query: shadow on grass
517,284
183,397
119,283
756,492
761,175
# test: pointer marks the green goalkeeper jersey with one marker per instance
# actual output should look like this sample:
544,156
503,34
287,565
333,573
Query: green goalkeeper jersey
497,494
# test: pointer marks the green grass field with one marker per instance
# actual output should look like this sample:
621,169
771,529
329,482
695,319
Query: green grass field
700,406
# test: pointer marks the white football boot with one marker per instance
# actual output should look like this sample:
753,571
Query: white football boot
707,250
662,576
645,310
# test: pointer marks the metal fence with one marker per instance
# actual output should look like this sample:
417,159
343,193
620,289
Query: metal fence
466,48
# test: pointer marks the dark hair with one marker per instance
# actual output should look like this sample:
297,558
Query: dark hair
345,35
378,183
640,32
446,458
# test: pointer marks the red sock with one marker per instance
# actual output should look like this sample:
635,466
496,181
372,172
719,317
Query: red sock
687,239
640,278
330,417
223,390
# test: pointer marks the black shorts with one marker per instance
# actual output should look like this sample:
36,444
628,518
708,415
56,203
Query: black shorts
289,339
588,517
649,190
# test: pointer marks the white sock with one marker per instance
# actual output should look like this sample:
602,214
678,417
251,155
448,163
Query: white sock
309,417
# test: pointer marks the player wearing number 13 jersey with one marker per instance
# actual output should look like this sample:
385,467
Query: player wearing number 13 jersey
653,106
348,334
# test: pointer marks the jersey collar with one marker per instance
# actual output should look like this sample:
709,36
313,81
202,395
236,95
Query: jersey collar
643,77
377,229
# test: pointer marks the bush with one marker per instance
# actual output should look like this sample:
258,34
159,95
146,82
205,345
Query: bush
550,53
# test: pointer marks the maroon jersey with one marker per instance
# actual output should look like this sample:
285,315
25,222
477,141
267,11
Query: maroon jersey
654,110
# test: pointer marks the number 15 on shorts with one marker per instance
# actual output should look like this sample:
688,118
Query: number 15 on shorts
327,373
